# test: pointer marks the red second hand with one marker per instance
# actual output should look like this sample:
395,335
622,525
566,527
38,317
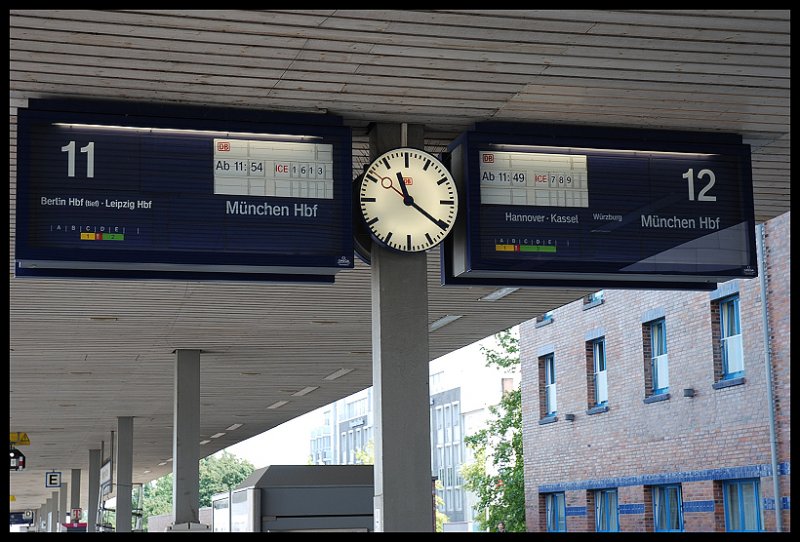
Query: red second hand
390,185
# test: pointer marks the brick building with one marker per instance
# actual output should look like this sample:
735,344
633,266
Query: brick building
649,410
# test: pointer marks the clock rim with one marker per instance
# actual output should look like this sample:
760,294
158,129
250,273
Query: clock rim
363,220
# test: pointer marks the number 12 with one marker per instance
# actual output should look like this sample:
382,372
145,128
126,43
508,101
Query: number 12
69,148
689,176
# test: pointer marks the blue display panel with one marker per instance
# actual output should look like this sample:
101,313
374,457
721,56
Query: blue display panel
132,190
583,206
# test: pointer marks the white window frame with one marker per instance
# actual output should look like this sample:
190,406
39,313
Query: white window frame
600,375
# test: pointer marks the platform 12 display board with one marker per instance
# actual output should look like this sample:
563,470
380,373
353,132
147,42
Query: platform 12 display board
145,191
587,206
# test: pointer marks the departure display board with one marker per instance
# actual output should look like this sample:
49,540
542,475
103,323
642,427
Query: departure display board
589,206
131,190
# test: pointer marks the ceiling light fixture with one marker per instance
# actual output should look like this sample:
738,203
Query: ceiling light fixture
443,321
305,391
500,293
234,427
338,374
217,435
277,404
204,442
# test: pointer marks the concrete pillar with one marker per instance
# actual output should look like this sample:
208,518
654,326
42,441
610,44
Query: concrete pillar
75,497
400,360
54,512
186,438
124,473
48,510
94,490
63,493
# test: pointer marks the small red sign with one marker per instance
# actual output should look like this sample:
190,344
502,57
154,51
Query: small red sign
223,146
408,180
488,158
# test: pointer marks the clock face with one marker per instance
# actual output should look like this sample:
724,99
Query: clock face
408,200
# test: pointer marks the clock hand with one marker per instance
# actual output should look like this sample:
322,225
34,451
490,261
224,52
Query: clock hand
441,223
407,199
389,185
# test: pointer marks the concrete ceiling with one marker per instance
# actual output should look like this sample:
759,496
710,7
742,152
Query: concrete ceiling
83,352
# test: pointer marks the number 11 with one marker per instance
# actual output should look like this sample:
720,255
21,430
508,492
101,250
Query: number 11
69,148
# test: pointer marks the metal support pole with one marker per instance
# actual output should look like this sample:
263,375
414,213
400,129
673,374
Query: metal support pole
773,438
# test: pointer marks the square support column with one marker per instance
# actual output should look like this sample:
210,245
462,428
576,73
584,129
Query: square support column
94,490
124,473
186,438
75,495
400,373
63,492
53,523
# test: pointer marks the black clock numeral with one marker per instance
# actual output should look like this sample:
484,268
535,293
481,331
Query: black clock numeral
442,180
371,178
373,221
428,237
406,157
388,236
370,200
443,202
386,163
425,167
408,241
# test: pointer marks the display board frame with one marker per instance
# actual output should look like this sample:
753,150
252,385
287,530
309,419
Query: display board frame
464,254
308,238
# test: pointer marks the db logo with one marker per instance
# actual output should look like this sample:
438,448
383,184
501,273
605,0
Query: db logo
223,146
488,158
408,180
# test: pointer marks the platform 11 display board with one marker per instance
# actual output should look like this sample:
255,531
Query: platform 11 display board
587,206
129,190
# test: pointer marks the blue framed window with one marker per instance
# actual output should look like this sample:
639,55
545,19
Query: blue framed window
600,378
550,384
731,338
556,512
742,509
659,360
667,508
606,511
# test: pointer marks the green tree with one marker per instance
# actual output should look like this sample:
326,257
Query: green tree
366,455
441,517
217,474
157,498
497,476
223,473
